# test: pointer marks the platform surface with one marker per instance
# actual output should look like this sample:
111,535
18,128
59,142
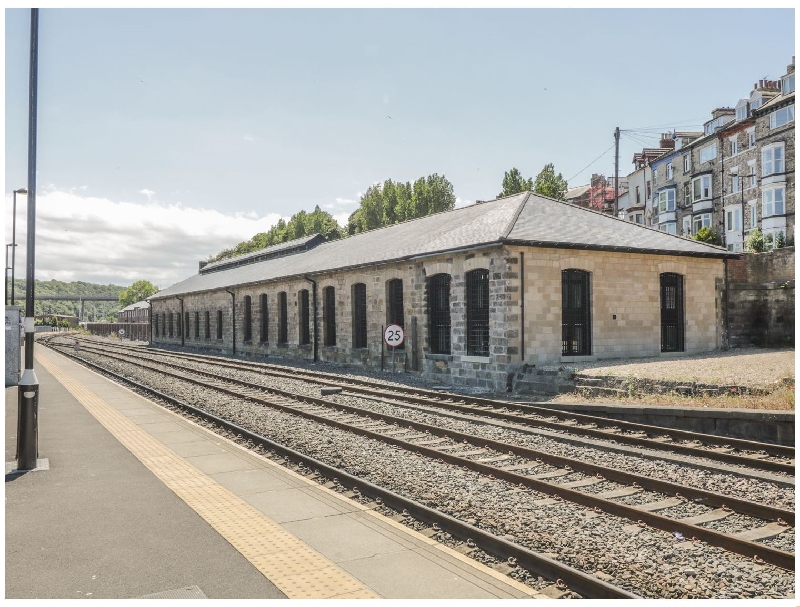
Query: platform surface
138,502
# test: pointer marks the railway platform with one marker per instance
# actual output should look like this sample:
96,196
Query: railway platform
137,502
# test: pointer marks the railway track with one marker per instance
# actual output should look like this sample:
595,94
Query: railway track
527,468
738,452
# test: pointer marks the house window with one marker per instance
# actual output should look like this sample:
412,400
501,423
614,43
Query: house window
303,317
638,218
248,318
751,211
477,312
701,188
669,228
655,176
394,304
669,171
787,84
329,315
772,160
751,139
197,325
576,329
170,324
666,200
755,101
219,324
672,321
687,225
734,147
782,116
753,176
733,219
283,320
708,153
647,189
773,203
164,325
741,111
264,318
360,315
701,221
638,196
771,237
438,295
208,324
735,183
686,163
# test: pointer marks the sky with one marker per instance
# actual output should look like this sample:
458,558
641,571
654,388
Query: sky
167,135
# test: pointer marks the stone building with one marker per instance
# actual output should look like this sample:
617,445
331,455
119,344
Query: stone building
478,290
136,312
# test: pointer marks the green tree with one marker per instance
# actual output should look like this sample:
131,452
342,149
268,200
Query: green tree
549,184
708,235
755,242
780,240
138,291
513,183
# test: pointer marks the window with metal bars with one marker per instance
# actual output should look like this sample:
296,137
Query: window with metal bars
155,324
360,315
186,324
672,320
329,315
164,324
197,325
303,317
394,304
576,322
477,312
438,296
283,321
208,324
264,319
170,324
248,318
219,324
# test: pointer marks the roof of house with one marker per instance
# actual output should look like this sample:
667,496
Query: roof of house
135,306
577,192
776,100
524,218
283,248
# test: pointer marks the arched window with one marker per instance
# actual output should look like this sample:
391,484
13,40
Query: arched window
672,320
360,315
248,318
170,324
219,324
576,313
438,295
394,304
329,315
264,319
303,317
186,324
477,297
155,324
208,324
283,321
197,325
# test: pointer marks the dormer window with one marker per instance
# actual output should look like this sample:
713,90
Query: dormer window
787,84
742,110
782,116
755,100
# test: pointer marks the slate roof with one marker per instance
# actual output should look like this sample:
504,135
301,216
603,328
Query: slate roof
282,248
577,191
135,306
524,218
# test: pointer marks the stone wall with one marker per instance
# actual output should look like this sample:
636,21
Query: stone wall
761,299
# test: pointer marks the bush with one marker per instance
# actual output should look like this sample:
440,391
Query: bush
755,242
709,236
780,240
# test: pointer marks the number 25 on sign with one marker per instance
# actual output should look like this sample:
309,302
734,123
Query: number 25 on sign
393,335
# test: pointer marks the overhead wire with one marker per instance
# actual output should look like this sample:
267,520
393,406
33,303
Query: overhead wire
591,163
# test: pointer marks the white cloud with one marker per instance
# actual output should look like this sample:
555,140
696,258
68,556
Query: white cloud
98,240
462,202
248,137
149,193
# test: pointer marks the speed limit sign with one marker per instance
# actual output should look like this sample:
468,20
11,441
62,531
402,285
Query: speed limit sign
121,332
393,335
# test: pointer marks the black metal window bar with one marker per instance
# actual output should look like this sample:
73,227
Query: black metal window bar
360,315
478,312
197,325
164,324
178,323
438,287
283,321
170,324
155,324
208,324
186,324
248,318
264,319
394,299
219,324
576,322
672,320
305,334
329,315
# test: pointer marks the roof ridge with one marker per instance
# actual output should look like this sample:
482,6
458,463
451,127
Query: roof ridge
504,234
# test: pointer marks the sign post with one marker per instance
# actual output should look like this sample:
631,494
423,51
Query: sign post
393,335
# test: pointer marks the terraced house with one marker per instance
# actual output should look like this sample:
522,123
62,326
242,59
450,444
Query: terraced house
478,290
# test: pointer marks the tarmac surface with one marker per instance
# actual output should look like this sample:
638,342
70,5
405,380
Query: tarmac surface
136,502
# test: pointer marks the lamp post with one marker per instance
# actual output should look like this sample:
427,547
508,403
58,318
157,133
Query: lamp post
14,241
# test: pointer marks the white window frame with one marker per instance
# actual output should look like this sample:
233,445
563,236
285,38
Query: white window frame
733,219
741,111
773,205
753,214
770,237
735,183
709,153
705,188
704,220
786,87
655,177
734,146
687,225
751,138
780,117
669,228
666,201
772,162
669,171
686,163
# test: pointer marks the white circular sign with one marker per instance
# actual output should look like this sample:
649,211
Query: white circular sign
122,331
393,335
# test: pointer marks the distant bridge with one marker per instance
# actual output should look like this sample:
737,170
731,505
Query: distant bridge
80,298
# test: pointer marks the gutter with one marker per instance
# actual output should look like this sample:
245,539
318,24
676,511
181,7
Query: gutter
522,306
233,318
314,295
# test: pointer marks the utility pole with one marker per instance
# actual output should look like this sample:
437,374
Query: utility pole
616,171
28,396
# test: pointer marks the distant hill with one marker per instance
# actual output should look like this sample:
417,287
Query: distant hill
93,311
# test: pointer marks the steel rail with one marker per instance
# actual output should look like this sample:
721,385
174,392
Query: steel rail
747,548
578,581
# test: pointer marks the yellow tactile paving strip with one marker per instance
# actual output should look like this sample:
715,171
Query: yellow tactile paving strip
293,566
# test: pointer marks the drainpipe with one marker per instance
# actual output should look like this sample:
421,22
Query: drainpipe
522,306
726,334
181,325
233,318
314,300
